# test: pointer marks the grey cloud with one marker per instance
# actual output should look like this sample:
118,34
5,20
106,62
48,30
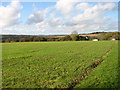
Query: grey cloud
35,18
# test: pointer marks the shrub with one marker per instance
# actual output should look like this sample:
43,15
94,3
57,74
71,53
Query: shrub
75,37
66,38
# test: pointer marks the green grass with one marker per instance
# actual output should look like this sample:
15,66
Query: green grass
54,64
106,75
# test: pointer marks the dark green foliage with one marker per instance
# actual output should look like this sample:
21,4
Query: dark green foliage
84,38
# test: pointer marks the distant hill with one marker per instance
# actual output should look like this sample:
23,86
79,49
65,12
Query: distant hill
29,38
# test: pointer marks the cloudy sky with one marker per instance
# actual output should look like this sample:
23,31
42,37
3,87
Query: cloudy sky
61,17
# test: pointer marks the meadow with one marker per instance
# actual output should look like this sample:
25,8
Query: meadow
68,64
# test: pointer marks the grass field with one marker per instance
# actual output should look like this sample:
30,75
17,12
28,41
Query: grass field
60,64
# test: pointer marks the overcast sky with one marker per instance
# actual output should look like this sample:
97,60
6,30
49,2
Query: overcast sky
61,17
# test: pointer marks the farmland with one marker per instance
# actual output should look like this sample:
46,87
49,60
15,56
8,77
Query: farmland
60,64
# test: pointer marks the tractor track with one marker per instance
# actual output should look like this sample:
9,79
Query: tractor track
89,69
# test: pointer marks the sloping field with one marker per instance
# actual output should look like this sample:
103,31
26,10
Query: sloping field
81,64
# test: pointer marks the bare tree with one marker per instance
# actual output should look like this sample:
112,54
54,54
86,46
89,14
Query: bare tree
74,32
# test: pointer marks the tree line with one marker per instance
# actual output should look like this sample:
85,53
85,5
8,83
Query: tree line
72,37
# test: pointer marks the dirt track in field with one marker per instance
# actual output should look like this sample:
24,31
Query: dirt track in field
89,69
